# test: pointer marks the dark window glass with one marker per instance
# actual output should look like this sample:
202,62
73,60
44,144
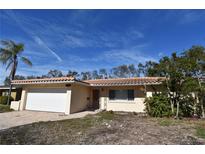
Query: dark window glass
130,94
121,94
112,94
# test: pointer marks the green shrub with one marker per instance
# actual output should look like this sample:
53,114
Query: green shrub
5,108
3,100
158,106
186,108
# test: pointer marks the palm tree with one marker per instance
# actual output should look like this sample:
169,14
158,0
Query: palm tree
10,54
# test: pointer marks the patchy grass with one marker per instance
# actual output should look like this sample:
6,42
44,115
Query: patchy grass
200,132
167,121
107,128
5,108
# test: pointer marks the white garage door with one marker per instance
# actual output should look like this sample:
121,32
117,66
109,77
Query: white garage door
53,100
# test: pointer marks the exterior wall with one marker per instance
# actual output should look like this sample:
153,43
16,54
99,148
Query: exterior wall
80,98
136,105
26,89
23,99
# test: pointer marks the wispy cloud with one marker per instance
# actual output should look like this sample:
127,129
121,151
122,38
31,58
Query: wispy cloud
129,55
183,16
42,43
190,16
21,22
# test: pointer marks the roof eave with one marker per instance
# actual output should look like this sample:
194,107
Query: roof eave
32,83
112,85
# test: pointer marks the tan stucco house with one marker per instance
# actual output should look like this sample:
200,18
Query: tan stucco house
68,95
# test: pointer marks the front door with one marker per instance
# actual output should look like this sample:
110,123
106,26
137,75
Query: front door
96,98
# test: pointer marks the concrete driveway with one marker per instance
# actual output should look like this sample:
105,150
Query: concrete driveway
17,118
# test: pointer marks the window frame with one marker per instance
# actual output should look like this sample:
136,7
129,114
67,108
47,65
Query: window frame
122,100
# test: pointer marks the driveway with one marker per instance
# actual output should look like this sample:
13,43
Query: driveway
17,118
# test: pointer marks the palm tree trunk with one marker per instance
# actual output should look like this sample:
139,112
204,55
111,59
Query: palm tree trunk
12,75
9,94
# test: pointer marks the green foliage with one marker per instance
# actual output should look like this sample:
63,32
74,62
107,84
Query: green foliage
54,73
186,107
158,106
200,132
5,108
166,122
3,99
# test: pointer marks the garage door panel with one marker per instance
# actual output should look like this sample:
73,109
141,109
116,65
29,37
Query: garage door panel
53,100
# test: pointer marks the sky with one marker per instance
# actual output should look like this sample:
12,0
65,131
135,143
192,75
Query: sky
85,40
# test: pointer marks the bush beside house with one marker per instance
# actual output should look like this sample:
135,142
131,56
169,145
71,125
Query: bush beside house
3,100
3,104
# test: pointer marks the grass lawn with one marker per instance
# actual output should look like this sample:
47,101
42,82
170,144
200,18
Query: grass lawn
5,108
108,128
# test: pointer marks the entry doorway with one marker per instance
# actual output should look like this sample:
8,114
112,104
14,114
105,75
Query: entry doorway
96,96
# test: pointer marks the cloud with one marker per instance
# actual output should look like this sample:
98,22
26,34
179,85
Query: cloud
41,43
191,16
160,54
21,22
130,55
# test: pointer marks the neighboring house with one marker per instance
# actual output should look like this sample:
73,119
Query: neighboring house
68,95
15,93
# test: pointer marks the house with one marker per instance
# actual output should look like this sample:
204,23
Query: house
69,95
15,92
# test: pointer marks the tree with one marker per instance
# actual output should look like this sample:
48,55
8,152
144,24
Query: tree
31,77
54,73
172,69
121,71
133,72
10,54
73,74
103,73
95,75
86,76
195,67
148,69
17,77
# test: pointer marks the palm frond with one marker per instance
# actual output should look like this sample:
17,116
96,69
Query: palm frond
8,43
4,50
9,64
26,61
5,56
18,48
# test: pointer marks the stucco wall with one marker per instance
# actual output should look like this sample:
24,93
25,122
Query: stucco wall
136,105
80,98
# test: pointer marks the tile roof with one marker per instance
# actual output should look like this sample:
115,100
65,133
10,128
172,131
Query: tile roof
126,81
45,80
97,82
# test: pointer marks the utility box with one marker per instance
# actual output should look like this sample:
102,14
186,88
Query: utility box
15,105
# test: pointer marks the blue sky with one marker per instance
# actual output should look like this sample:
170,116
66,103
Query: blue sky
85,40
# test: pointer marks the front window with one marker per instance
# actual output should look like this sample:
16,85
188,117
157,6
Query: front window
121,94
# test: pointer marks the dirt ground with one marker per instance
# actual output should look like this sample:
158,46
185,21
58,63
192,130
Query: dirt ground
106,128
